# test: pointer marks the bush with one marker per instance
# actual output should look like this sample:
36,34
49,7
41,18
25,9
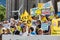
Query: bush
2,13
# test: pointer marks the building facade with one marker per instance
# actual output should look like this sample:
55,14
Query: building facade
13,5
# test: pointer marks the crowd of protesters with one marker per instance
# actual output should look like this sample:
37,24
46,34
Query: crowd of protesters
19,27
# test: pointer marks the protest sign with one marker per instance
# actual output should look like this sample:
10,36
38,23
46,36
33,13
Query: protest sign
46,11
44,26
55,27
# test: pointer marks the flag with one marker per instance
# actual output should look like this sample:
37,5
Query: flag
26,17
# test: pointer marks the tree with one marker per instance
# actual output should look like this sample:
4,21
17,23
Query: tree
2,13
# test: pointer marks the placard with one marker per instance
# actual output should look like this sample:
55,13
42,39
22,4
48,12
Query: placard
55,27
44,26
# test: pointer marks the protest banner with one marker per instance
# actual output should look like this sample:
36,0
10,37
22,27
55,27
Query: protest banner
40,37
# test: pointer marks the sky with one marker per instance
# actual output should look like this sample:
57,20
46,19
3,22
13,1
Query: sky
3,2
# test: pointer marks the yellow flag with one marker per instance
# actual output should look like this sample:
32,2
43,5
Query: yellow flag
38,11
26,17
26,13
40,5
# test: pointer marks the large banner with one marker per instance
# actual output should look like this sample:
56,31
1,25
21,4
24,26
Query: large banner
41,37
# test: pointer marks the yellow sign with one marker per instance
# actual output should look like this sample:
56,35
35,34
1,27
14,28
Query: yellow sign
40,5
38,11
55,27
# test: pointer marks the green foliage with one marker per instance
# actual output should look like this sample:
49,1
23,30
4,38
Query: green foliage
2,12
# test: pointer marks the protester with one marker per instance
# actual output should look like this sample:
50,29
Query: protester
31,31
8,31
24,31
4,31
40,32
16,32
6,24
20,27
